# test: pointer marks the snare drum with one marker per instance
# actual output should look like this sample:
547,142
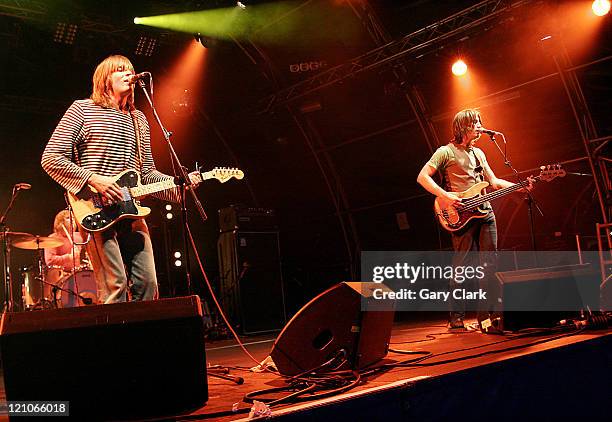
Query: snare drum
85,286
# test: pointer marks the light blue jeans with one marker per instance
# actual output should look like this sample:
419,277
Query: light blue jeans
123,252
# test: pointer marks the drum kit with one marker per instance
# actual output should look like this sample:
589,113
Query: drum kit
47,286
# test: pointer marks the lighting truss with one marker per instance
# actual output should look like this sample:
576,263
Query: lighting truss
391,53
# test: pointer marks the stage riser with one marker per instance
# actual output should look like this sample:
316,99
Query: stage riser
567,383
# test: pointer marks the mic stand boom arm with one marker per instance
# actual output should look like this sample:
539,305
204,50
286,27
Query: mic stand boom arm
6,254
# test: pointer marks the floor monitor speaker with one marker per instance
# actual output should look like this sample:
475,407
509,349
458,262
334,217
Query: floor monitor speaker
347,318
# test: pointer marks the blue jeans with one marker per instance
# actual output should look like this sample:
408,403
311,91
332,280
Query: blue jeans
122,252
476,244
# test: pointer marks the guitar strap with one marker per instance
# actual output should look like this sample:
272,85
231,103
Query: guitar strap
137,133
478,169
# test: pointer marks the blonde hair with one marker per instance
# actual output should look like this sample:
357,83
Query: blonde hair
59,221
464,122
103,85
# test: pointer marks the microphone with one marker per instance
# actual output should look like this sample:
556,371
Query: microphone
133,78
487,131
22,186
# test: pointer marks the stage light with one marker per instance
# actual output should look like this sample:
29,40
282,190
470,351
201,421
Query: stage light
459,68
145,46
137,20
201,39
169,216
241,5
177,254
178,263
601,7
168,207
65,33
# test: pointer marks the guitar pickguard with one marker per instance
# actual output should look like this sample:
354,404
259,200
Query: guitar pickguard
105,214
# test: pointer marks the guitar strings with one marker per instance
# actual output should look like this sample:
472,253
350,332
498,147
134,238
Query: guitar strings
476,202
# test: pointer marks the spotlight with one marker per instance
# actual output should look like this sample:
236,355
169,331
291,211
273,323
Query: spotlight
201,39
169,216
601,7
177,254
178,263
168,207
137,21
240,5
459,68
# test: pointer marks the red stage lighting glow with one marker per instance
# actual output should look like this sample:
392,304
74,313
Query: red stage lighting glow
601,7
459,68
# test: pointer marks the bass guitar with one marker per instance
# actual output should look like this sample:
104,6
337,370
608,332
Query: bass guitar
95,213
453,218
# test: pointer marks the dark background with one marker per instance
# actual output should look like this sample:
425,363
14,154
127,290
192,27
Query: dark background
362,132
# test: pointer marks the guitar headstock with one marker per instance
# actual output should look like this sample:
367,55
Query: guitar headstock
223,174
551,171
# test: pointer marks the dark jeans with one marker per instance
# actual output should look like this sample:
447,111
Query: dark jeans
476,244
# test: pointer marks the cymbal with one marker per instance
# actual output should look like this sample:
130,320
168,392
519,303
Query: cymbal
29,241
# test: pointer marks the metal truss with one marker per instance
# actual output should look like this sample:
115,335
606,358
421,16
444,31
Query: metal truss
398,50
23,9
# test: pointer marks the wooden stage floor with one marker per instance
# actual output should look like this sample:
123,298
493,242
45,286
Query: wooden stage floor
431,336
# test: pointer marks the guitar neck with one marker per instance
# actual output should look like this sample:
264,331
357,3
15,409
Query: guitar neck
494,195
151,188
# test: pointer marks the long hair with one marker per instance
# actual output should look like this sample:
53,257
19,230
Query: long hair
102,83
463,123
59,221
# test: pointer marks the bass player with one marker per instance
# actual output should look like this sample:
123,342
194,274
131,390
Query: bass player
462,165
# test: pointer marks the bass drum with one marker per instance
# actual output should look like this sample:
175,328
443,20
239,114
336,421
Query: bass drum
82,282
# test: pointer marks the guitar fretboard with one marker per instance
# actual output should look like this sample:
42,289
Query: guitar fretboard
151,188
478,201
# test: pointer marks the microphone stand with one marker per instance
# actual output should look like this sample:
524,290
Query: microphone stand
6,254
183,181
529,198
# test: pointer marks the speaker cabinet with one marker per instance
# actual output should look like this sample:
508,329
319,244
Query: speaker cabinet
346,318
541,297
251,281
125,360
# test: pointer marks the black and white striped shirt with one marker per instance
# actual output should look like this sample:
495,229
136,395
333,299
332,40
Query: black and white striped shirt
92,139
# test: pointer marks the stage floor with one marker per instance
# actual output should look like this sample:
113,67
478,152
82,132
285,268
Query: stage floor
476,349
431,336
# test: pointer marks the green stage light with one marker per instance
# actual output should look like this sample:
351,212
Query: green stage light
276,23
136,21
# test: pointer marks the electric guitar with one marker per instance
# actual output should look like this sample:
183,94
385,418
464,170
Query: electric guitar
453,218
95,213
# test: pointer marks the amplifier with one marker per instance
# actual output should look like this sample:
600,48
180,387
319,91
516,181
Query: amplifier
237,217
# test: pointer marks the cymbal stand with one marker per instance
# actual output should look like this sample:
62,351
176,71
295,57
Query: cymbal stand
42,277
6,255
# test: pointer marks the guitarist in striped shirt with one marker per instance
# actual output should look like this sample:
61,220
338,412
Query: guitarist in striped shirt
462,165
96,139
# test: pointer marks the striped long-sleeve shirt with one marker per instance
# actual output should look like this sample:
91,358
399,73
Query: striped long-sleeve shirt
92,139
